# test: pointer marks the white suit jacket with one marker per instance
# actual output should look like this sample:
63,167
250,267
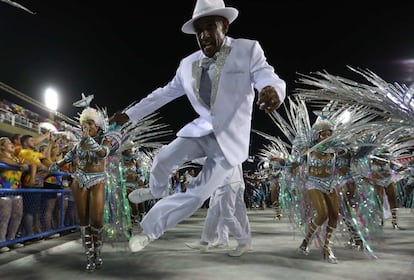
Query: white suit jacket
240,67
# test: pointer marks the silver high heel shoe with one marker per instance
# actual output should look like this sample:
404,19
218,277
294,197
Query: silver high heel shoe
304,248
327,250
358,245
395,225
279,214
329,255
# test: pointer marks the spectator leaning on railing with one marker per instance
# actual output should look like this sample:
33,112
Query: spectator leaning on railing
51,153
32,179
15,138
11,204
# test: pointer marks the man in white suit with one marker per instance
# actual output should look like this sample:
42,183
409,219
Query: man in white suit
226,213
221,133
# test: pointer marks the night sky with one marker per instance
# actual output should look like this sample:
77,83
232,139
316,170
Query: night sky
121,50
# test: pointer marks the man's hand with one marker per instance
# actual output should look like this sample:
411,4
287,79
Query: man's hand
268,99
119,118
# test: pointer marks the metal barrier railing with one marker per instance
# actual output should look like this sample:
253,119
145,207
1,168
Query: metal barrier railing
34,203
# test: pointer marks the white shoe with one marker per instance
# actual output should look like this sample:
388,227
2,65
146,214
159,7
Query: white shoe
219,245
240,250
140,195
198,246
4,249
138,242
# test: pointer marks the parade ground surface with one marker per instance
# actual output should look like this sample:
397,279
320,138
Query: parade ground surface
274,255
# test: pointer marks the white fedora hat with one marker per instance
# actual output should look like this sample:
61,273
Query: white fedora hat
209,8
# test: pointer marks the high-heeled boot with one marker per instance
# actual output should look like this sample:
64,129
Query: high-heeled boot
85,232
358,243
327,247
355,241
304,247
97,235
278,211
394,222
351,230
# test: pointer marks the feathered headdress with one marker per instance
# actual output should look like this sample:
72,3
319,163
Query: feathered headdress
322,123
99,115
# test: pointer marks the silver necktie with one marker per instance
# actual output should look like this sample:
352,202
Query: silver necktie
205,81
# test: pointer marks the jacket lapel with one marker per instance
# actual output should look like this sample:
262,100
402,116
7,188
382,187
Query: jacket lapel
196,72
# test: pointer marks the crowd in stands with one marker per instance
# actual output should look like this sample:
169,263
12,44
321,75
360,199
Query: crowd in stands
17,115
35,211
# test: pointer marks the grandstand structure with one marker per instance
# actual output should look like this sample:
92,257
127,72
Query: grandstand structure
17,119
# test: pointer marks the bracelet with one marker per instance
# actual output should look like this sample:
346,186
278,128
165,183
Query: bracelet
53,167
92,145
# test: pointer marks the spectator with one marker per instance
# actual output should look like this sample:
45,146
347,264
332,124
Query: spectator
227,213
32,179
51,153
11,205
15,138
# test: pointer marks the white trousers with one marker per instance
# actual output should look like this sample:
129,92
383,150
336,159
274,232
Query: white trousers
227,212
172,209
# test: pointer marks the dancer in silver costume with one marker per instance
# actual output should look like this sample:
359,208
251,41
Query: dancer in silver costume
320,164
393,106
384,180
310,179
88,186
130,170
346,187
315,164
127,171
135,177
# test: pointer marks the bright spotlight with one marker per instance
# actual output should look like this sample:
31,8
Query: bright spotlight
51,99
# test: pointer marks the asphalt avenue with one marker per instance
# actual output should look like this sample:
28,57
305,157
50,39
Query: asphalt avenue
274,256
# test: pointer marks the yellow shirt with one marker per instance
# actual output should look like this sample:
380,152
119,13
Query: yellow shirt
30,156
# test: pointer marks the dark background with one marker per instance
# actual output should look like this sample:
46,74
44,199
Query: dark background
121,50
